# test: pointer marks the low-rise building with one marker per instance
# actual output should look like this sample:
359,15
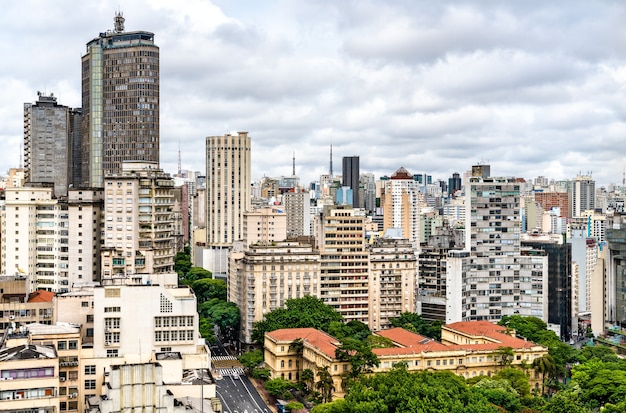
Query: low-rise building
468,349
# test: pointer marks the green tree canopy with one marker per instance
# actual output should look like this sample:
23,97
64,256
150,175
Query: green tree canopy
206,289
279,388
359,354
251,359
303,312
226,316
414,322
517,379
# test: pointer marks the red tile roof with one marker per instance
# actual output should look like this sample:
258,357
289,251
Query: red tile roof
489,330
326,343
40,296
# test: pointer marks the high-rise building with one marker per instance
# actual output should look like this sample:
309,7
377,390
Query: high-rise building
298,209
138,227
494,277
120,96
583,192
228,187
340,234
402,203
49,136
228,192
350,176
454,184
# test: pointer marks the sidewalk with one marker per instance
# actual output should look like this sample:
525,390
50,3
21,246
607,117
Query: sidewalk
267,398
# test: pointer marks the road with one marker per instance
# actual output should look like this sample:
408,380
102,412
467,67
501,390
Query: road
234,389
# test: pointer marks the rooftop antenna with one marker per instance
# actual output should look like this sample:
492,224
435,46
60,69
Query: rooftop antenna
180,169
21,155
119,22
293,170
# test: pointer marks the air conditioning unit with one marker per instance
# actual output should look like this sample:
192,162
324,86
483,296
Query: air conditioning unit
107,343
18,396
11,317
61,378
74,395
71,396
106,330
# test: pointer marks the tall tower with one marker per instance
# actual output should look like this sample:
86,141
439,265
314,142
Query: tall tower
120,89
350,177
583,195
48,139
228,187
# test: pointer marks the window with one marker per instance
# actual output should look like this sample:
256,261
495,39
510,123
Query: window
84,303
73,344
61,345
90,369
90,384
112,353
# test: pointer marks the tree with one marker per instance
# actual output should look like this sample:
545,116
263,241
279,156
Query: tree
517,379
354,329
358,354
294,406
546,367
298,313
207,289
182,264
564,402
602,353
251,359
226,316
297,346
325,384
499,392
414,322
504,356
279,388
307,378
206,329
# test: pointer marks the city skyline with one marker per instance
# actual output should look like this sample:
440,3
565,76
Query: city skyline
531,89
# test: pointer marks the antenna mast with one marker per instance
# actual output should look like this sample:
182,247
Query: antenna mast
331,160
293,170
180,169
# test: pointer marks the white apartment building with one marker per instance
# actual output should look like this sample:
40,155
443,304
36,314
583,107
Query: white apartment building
402,203
297,207
494,277
85,229
264,225
35,238
138,226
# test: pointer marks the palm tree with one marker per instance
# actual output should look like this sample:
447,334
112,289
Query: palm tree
547,367
325,385
307,377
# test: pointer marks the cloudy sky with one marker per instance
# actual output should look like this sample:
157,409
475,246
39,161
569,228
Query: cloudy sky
532,87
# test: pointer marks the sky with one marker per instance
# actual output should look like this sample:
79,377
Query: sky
531,87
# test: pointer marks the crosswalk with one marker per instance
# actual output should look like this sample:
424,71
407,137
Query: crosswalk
231,371
223,358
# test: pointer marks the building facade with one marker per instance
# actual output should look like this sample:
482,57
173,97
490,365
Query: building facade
120,102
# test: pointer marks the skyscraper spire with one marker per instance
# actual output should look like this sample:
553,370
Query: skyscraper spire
180,169
293,170
331,160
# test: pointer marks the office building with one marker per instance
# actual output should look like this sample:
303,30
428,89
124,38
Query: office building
120,102
351,177
454,184
583,195
228,180
50,134
298,209
615,278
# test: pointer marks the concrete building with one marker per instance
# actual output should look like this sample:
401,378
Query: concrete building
585,254
35,238
298,209
49,136
493,277
344,280
392,280
402,203
615,277
550,200
264,226
228,196
583,195
138,225
18,307
30,378
263,276
120,89
85,220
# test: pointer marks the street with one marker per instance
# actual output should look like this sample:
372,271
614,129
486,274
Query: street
233,388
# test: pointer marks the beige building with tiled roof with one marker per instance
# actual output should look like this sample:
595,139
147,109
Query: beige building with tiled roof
468,349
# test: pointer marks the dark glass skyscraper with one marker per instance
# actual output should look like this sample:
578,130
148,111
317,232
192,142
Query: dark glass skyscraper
350,177
120,94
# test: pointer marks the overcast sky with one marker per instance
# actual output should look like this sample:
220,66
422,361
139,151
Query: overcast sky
531,87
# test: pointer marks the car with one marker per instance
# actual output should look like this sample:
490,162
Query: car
235,376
